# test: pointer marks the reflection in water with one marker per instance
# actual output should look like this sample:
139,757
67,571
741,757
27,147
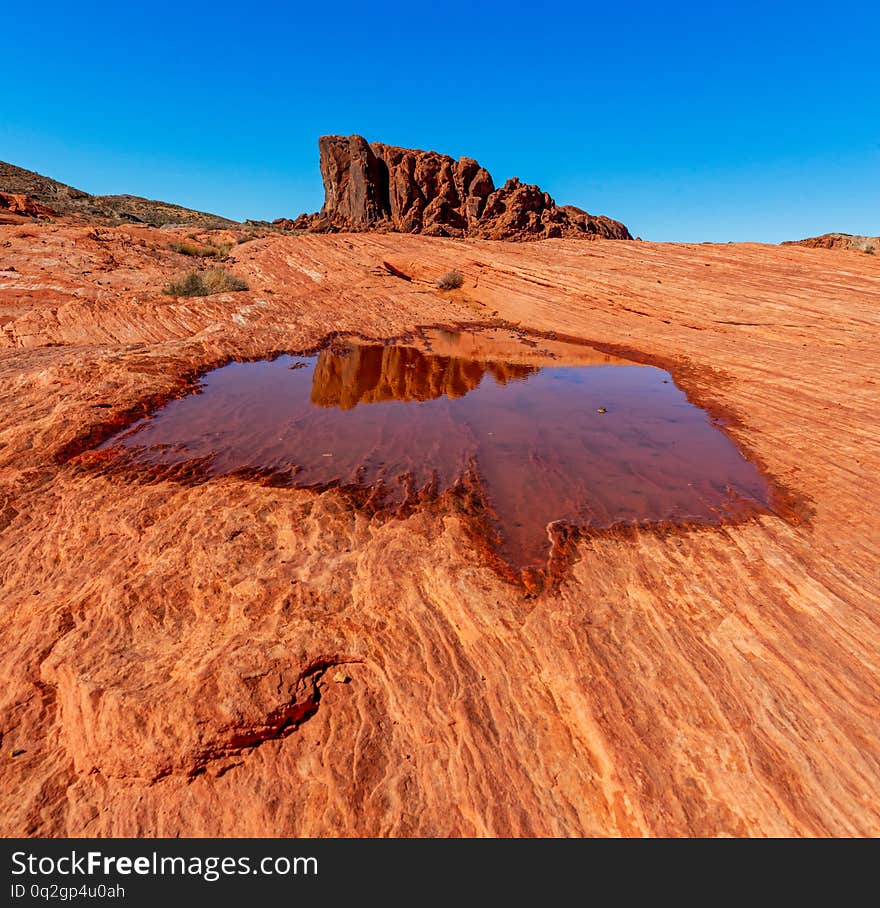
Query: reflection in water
375,373
562,434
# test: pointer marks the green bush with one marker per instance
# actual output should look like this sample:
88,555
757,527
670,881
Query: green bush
204,283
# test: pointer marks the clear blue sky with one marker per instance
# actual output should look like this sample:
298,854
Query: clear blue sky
688,121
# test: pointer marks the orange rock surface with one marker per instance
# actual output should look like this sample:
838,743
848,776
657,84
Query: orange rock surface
169,651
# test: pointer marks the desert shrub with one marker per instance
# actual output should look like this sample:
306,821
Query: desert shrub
219,280
452,280
209,251
187,284
204,283
869,250
190,249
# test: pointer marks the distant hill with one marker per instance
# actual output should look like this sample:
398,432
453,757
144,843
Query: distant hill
114,209
839,241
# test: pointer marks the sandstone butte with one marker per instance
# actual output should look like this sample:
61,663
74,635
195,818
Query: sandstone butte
377,187
227,658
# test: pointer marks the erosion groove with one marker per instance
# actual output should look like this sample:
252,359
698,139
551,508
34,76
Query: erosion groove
279,723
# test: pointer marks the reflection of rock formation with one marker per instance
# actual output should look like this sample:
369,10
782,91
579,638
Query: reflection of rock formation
377,373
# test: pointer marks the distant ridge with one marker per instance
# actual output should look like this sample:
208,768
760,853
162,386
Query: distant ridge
868,244
68,201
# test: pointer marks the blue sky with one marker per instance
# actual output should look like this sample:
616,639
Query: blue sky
687,121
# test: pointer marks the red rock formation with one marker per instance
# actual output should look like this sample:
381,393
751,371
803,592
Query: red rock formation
384,188
17,203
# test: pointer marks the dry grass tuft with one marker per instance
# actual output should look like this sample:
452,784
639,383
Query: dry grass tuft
204,283
452,280
208,251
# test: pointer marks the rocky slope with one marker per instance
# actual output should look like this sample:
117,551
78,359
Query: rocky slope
232,658
50,198
381,187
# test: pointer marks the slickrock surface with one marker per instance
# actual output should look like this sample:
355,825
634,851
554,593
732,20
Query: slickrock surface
372,186
173,657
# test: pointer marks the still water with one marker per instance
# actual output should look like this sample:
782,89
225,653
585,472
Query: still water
554,431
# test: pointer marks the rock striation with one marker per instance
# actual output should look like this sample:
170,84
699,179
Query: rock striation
372,186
